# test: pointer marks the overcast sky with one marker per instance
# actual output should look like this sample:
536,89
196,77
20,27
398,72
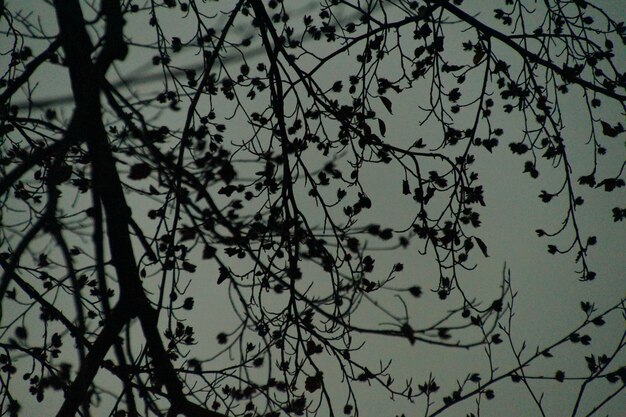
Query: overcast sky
549,292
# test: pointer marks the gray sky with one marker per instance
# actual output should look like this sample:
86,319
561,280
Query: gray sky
547,304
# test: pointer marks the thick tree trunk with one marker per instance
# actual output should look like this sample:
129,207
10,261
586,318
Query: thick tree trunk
87,78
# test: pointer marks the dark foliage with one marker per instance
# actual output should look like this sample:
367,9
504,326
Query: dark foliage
202,237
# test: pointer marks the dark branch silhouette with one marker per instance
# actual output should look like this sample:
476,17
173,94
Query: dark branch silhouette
218,248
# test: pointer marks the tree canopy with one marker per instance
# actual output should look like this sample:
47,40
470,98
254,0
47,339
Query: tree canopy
220,208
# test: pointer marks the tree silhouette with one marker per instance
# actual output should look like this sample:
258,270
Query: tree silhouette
212,217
